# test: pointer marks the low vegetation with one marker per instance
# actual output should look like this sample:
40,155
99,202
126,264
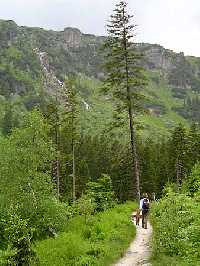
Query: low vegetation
176,223
32,212
92,240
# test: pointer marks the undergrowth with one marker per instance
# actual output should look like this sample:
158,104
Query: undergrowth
100,239
176,223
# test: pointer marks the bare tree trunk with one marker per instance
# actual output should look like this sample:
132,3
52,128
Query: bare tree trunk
136,174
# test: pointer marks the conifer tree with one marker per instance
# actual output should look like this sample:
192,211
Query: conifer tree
124,76
72,117
193,151
53,117
178,152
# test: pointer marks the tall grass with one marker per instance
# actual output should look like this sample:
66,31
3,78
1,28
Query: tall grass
98,240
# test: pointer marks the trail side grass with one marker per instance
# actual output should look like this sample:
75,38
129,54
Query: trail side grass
95,240
163,260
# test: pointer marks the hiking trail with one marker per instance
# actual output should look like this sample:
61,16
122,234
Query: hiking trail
139,251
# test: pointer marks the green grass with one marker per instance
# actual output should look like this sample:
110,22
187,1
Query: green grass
160,94
158,126
163,260
100,240
194,61
173,119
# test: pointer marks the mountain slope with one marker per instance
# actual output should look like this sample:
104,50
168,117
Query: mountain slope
174,80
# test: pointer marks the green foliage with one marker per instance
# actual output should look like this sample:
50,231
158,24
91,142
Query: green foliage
163,260
85,206
51,218
25,161
27,151
101,193
192,184
21,74
16,77
176,221
124,78
92,243
12,114
7,123
190,110
124,75
178,146
108,154
26,184
183,152
19,238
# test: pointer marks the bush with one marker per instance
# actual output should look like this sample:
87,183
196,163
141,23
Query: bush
19,236
50,218
192,185
26,184
101,193
176,223
85,206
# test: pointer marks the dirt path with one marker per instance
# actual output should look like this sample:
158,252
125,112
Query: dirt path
139,250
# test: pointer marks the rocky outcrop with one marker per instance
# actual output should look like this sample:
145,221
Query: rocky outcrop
72,37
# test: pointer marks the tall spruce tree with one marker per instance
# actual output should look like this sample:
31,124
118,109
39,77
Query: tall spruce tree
124,76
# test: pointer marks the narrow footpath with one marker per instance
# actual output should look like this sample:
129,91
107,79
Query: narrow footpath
139,251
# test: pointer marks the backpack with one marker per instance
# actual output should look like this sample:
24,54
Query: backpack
145,205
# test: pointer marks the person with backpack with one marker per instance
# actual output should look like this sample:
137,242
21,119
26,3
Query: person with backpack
144,207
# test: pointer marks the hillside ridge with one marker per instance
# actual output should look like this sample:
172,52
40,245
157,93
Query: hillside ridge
174,79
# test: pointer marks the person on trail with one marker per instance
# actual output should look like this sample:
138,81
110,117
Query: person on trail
144,207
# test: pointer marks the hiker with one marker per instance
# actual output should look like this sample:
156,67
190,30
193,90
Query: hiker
144,207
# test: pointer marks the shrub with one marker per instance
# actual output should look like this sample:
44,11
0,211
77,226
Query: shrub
192,185
50,218
85,206
101,193
25,183
19,236
176,223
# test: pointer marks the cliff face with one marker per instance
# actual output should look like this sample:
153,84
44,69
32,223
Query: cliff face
179,71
